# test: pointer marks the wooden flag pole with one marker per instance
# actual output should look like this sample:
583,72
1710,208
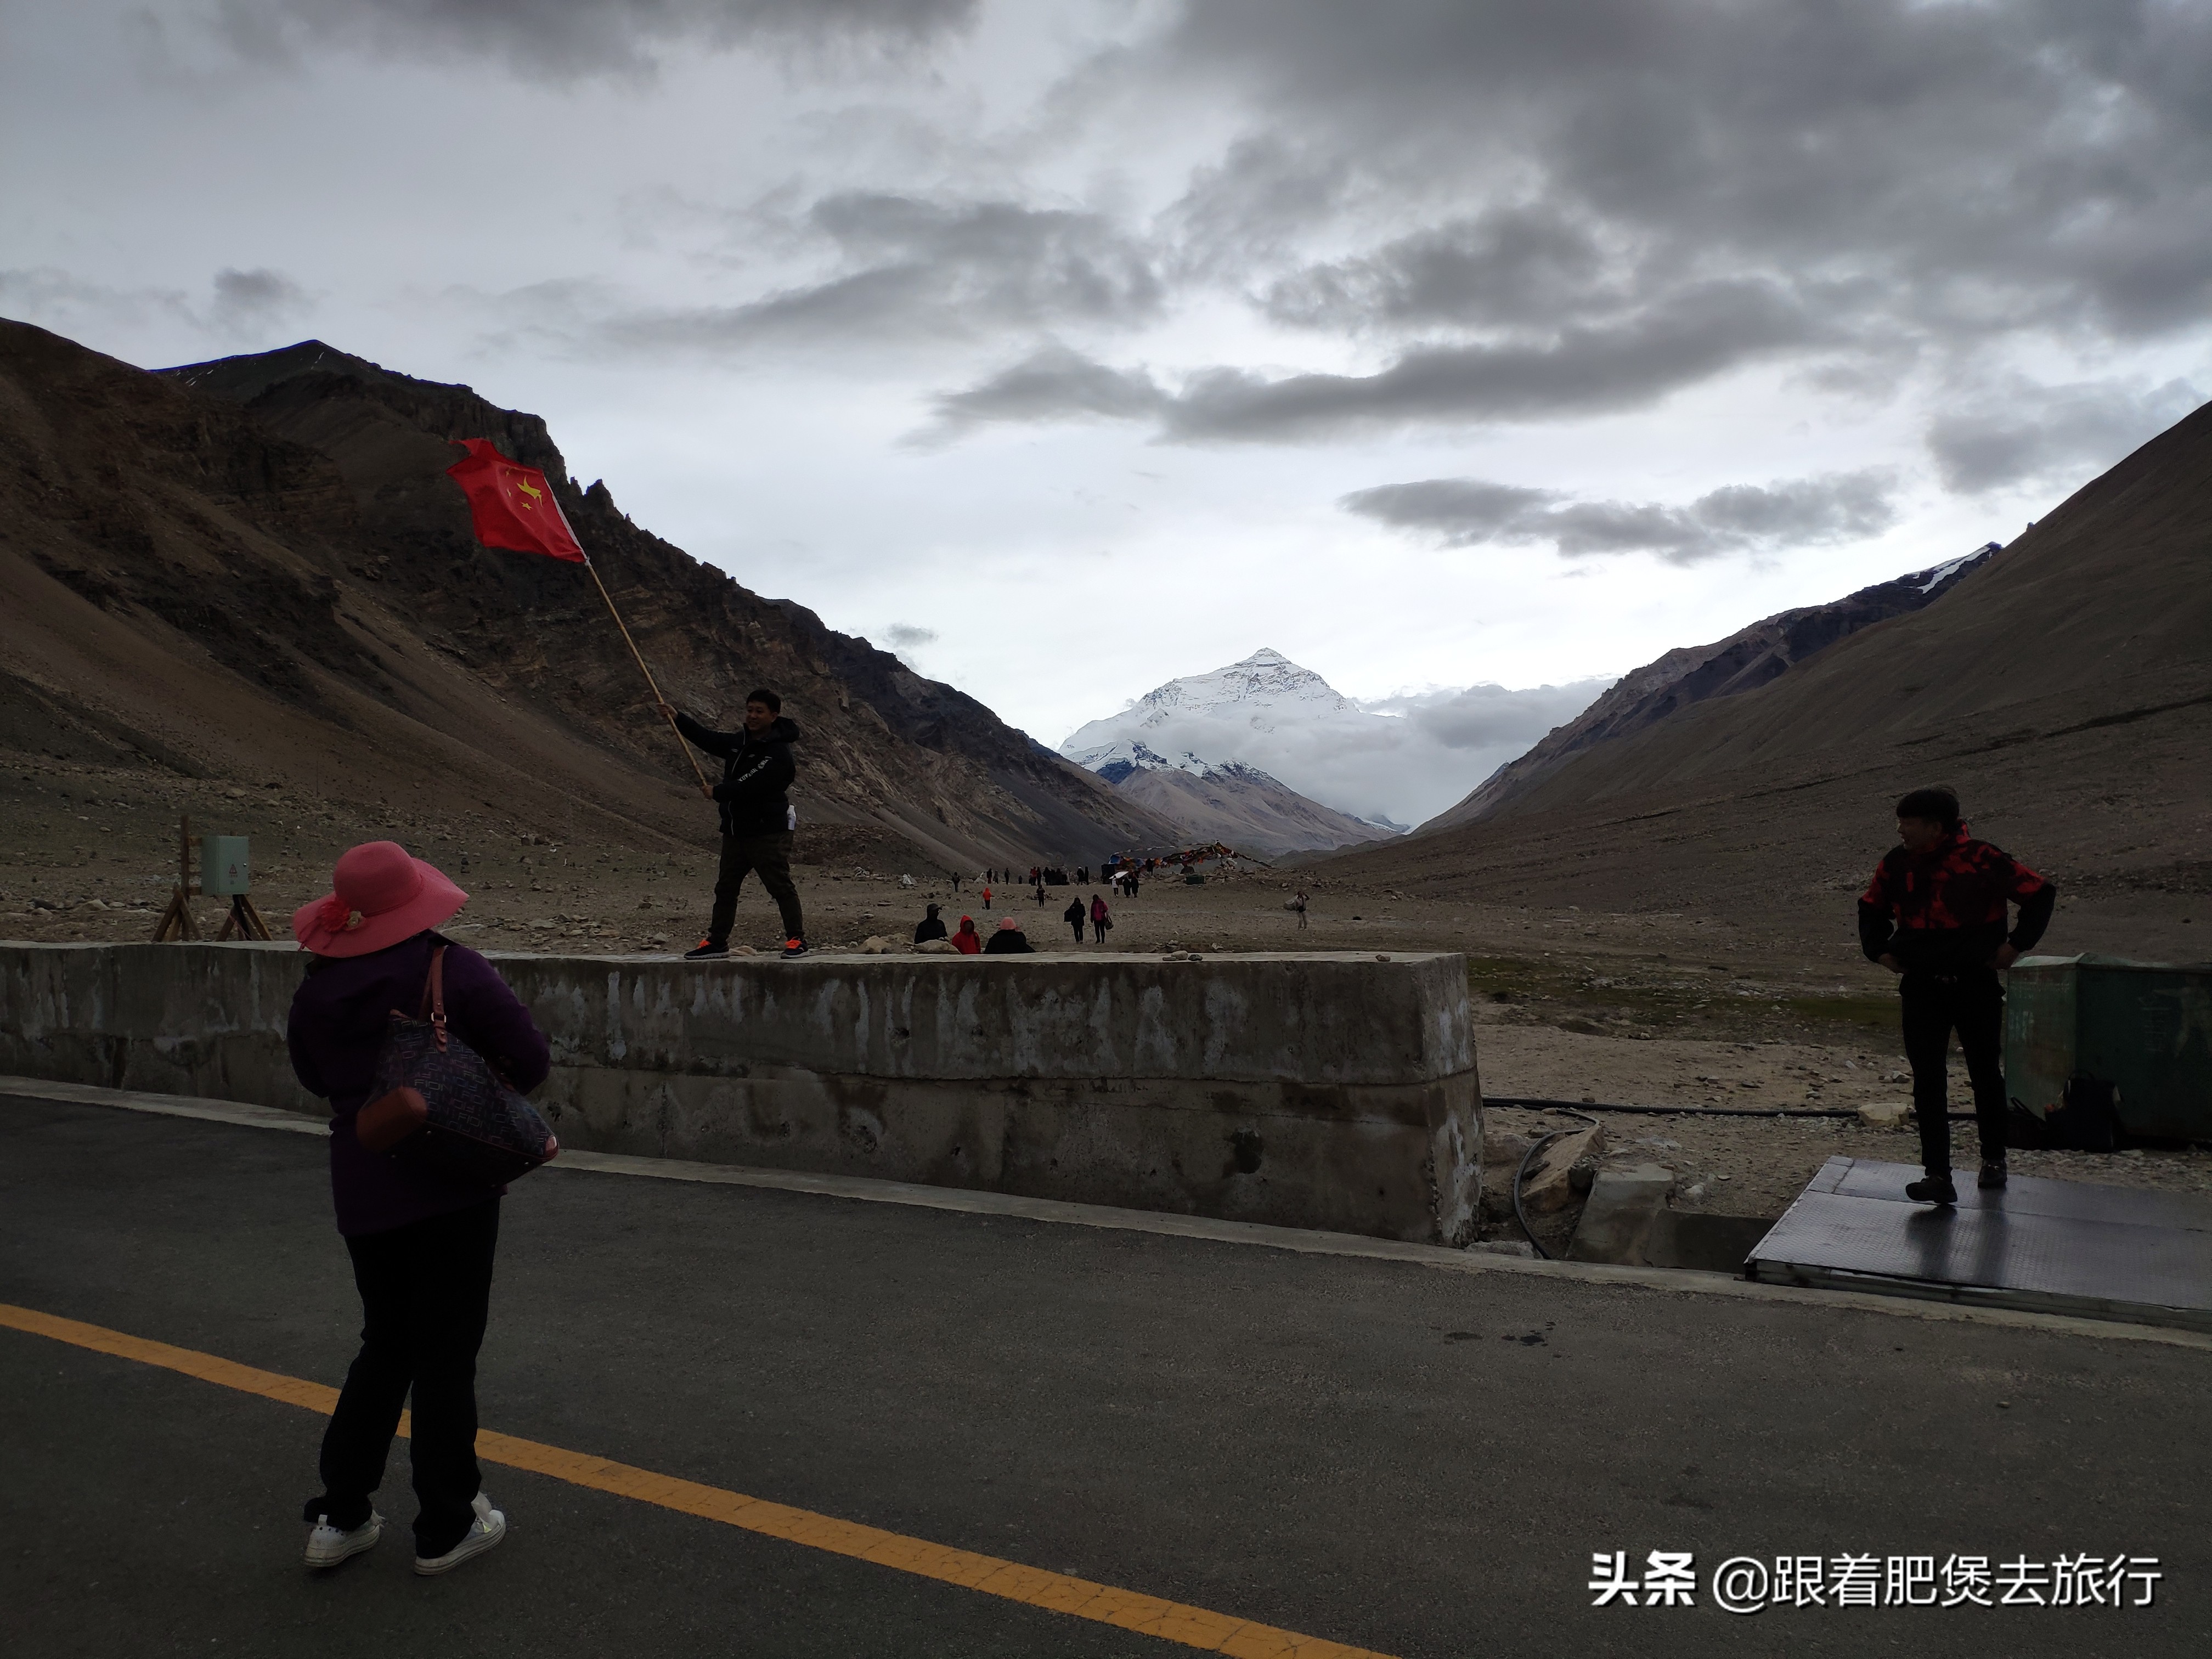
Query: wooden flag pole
658,699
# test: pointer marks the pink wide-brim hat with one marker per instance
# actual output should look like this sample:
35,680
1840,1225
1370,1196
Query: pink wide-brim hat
379,896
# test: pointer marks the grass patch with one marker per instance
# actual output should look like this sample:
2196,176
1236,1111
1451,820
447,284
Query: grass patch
1656,998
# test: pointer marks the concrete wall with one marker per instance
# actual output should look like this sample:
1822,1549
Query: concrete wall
1316,1090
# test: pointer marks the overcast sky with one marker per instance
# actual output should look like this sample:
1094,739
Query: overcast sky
1069,348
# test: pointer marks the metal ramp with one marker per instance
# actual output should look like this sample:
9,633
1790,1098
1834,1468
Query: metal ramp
2060,1247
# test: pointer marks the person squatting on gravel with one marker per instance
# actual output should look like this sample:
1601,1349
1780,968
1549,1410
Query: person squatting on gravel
1934,916
1007,939
757,817
422,1241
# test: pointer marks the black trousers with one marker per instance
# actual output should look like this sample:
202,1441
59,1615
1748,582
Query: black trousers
770,856
1971,1003
1098,928
1079,931
425,1293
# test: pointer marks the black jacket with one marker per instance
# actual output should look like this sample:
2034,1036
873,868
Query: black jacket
1008,941
928,928
756,772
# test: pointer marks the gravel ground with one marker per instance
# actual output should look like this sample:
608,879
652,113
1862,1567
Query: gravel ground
1642,1008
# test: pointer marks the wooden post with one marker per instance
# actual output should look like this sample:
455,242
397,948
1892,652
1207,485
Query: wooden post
650,684
244,918
176,922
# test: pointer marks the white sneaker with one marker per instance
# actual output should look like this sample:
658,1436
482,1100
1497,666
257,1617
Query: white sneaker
486,1530
327,1545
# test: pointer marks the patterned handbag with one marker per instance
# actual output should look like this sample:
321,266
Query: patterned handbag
440,1105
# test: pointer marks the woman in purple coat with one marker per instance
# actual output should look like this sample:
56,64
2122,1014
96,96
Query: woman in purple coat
422,1243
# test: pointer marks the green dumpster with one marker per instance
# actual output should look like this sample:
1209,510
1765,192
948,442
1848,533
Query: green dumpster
2144,1027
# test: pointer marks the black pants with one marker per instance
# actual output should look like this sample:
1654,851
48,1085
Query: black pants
743,855
1098,927
1079,931
425,1293
1971,1003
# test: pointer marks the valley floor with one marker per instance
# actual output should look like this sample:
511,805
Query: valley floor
1663,1008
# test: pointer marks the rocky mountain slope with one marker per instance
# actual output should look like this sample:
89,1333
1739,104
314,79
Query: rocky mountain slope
1689,675
1231,803
255,568
2064,689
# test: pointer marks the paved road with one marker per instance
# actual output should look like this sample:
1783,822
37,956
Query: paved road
1416,1462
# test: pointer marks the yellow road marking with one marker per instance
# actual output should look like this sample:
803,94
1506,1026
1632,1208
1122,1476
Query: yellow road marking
1057,1592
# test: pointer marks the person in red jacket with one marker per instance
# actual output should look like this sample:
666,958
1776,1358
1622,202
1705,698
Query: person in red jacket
968,941
1934,916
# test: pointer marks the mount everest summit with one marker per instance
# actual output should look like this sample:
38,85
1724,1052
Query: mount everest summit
1346,771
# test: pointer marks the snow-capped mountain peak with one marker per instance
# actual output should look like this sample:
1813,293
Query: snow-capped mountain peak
1255,692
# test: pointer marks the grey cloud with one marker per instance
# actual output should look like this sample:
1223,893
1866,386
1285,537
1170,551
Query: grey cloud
1486,717
1467,511
1510,264
1053,384
921,268
905,636
1990,168
578,39
1738,518
248,300
2021,433
239,305
1580,371
1241,210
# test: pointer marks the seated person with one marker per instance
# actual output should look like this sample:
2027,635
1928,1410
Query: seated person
928,928
968,941
1009,940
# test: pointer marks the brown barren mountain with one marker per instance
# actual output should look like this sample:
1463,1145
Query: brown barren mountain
1689,675
254,569
2064,689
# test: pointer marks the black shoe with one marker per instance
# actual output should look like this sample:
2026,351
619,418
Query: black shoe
1936,1190
704,948
1993,1173
794,947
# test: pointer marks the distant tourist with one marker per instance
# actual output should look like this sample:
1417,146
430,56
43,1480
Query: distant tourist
1074,916
1934,916
987,896
1298,905
928,928
422,1242
1100,920
968,941
757,819
1007,939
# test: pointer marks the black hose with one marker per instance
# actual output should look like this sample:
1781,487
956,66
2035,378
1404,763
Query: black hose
1522,1175
1519,1102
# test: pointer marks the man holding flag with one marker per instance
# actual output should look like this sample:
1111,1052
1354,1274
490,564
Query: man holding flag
514,507
757,770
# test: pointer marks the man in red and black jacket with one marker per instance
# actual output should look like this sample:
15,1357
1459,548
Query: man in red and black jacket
1934,915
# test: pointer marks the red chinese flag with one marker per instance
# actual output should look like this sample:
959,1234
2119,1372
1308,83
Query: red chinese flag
512,505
